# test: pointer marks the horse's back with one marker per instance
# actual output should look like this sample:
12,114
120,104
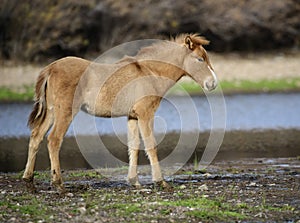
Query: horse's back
73,66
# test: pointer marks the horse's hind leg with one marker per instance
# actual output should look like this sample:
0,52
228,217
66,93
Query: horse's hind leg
55,138
37,135
133,151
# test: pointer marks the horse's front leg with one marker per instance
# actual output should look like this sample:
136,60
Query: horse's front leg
133,151
146,129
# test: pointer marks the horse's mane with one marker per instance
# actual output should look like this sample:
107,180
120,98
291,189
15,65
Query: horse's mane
200,40
179,39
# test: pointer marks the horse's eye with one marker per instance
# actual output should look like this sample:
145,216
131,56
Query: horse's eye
200,59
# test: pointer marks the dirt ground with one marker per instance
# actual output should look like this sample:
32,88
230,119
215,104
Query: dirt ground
250,66
248,190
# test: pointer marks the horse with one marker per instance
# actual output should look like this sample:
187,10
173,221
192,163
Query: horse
132,87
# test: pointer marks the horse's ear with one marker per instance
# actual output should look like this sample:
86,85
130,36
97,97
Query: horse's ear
189,43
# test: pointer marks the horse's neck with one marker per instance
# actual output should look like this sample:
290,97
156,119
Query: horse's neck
166,61
163,69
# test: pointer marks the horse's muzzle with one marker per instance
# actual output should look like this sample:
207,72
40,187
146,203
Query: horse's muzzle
210,85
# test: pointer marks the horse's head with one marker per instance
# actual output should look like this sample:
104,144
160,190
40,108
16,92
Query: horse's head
196,62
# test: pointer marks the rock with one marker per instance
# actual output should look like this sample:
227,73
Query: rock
70,194
207,175
203,187
182,187
82,210
13,219
252,184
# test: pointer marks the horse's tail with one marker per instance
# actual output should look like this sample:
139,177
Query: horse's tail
38,113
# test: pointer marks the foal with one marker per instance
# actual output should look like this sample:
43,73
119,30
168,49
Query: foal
132,87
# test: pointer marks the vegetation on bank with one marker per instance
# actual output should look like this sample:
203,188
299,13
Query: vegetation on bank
13,95
94,198
243,86
228,87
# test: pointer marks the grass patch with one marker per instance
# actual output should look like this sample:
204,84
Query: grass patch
24,94
262,85
24,205
206,209
242,86
42,175
89,174
125,209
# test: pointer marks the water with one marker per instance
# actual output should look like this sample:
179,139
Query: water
243,112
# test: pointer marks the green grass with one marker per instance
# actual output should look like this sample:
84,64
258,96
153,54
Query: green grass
236,86
242,86
30,205
24,94
126,209
85,174
207,209
262,85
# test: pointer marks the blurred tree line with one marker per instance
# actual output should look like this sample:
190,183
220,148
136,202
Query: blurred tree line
35,31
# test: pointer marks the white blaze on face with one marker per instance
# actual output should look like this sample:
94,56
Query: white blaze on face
214,76
212,82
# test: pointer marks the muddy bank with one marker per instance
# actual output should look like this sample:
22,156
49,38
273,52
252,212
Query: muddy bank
236,145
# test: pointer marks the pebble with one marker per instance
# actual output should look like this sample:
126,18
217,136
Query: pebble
207,175
70,195
143,191
182,187
203,187
13,219
252,184
82,210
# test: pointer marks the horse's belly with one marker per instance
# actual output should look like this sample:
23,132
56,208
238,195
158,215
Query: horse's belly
105,110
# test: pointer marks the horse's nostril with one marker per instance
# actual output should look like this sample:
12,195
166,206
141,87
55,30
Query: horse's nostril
207,85
214,84
210,85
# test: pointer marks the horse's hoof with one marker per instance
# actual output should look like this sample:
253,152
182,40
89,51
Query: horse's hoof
59,186
29,184
134,183
162,185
